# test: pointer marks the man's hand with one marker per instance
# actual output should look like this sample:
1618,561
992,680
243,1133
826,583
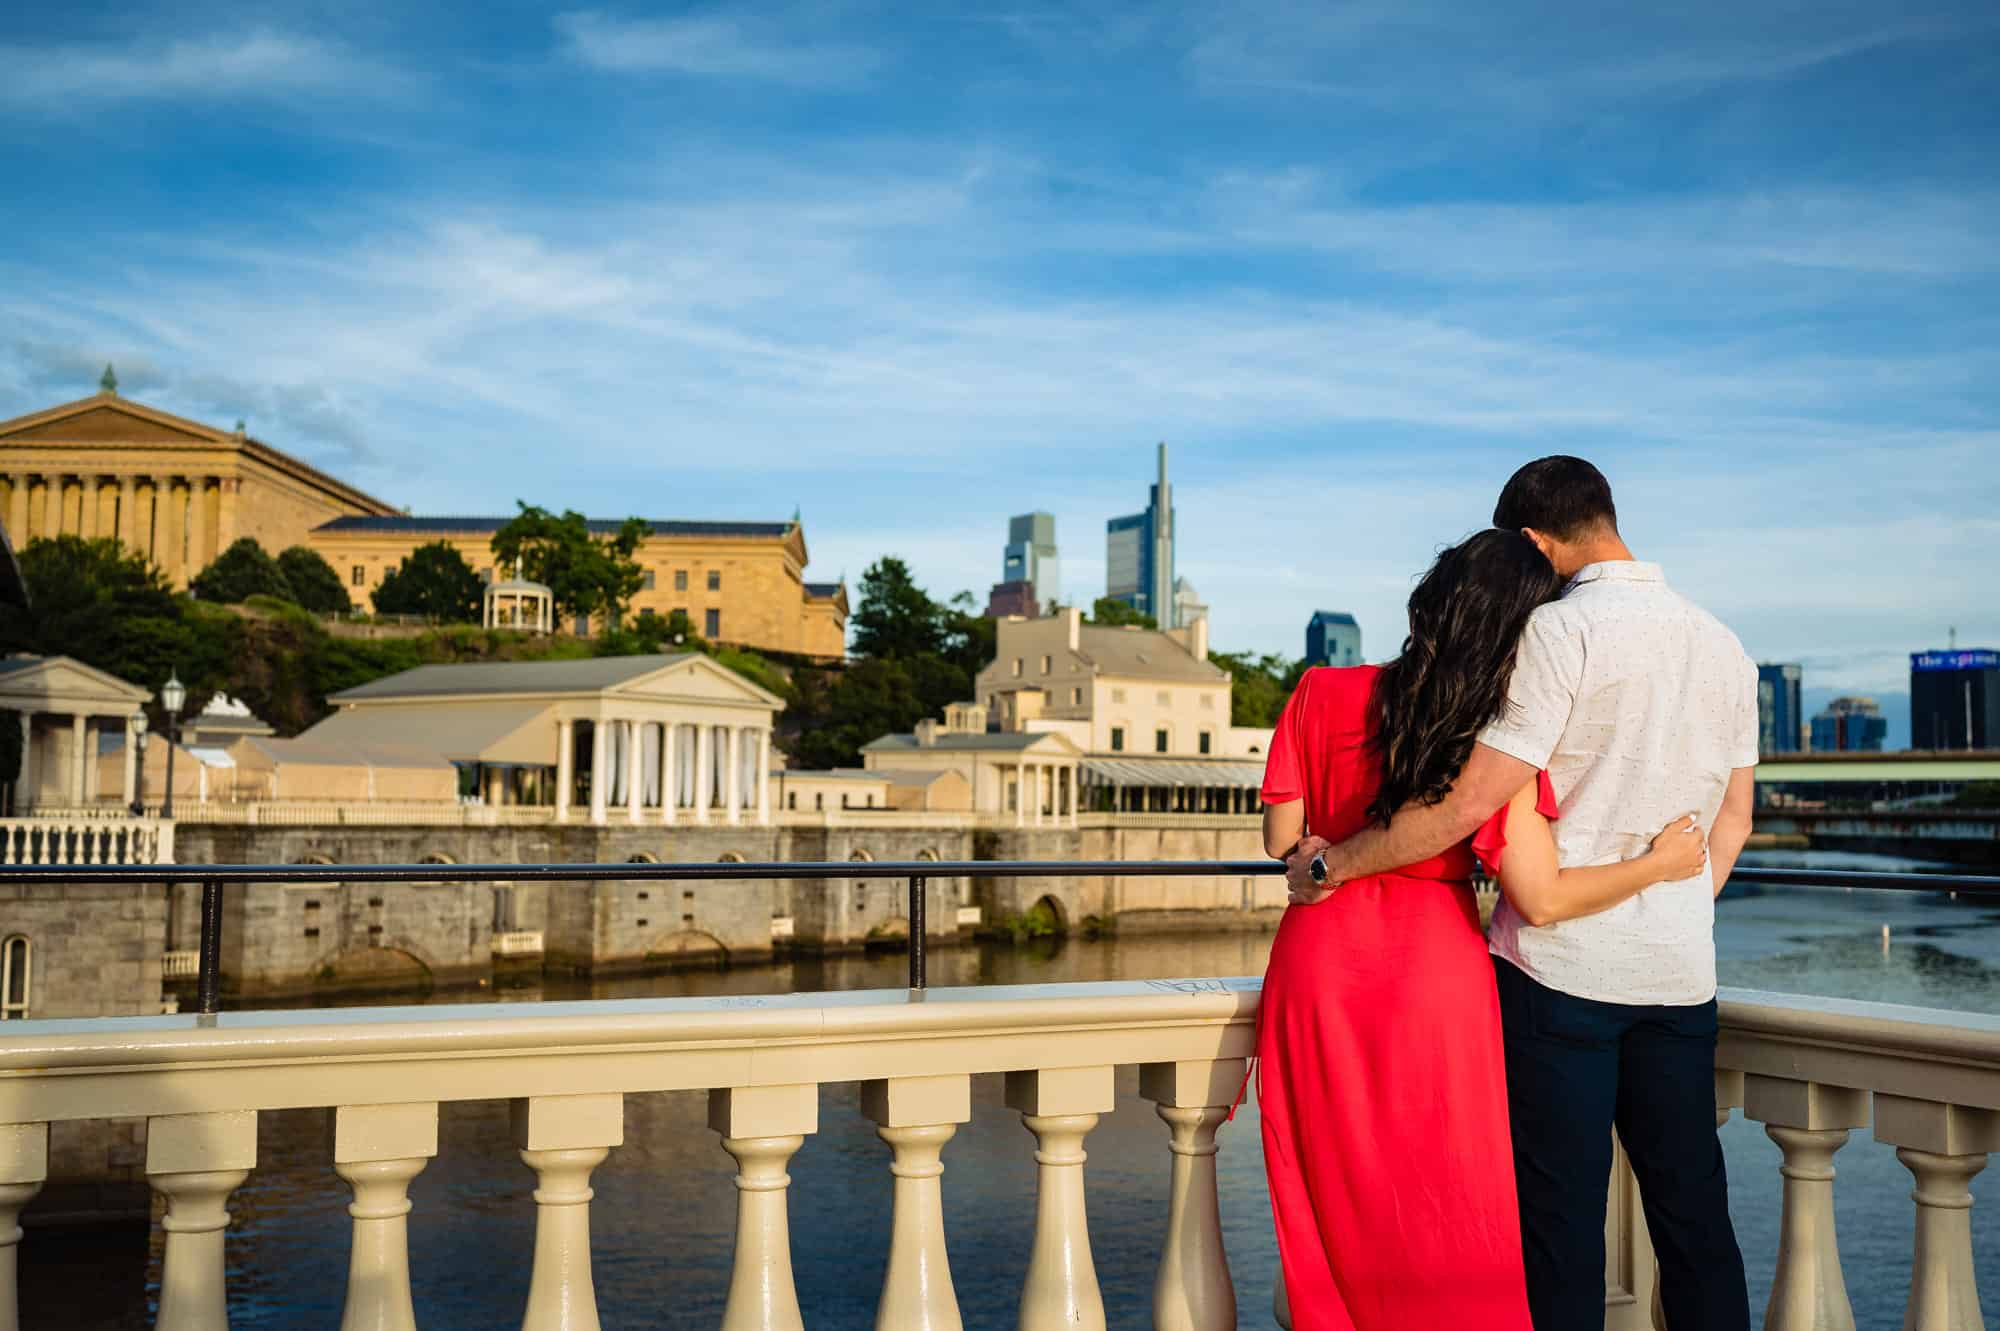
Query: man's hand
1298,873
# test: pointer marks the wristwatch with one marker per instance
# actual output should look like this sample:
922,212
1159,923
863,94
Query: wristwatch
1317,868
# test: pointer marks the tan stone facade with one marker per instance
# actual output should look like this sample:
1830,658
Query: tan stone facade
174,490
738,582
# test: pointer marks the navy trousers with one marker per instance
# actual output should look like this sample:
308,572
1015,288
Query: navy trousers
1576,1068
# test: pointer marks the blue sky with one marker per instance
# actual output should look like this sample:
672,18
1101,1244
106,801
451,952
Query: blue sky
914,274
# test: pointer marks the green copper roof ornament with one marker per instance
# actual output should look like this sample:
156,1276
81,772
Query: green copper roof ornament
109,383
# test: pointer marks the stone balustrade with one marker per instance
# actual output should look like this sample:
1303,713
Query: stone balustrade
1810,1070
86,838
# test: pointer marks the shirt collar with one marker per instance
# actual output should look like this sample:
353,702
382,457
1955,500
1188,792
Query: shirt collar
1618,570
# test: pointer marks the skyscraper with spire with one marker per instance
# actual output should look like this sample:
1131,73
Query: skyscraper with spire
1139,555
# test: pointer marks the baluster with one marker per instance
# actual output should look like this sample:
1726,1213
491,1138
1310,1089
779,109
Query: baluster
378,1149
562,1138
762,1126
1193,1291
24,1164
195,1161
86,844
1809,1122
1943,1146
1060,1106
7,835
917,1116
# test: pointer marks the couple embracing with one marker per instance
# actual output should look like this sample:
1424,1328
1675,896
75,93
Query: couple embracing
1438,1105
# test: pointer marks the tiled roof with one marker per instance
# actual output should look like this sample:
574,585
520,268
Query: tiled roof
1144,654
599,672
598,526
949,740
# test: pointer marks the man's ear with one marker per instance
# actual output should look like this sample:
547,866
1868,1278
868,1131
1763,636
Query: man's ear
1543,542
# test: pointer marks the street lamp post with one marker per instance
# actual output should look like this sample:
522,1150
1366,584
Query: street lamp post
139,767
172,695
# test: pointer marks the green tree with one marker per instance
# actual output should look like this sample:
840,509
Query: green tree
588,576
315,586
1111,613
94,601
242,571
895,617
845,709
433,581
1258,686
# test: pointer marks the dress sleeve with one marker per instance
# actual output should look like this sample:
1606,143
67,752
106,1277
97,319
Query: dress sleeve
1284,765
1489,841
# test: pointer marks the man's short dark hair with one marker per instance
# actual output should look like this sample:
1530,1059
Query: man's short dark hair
1560,496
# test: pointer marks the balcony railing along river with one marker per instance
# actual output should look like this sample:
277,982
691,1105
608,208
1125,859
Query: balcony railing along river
1810,1070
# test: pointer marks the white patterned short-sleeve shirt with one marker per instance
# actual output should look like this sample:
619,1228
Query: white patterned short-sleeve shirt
1639,704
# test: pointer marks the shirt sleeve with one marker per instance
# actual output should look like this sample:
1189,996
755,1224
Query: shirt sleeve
1548,670
1745,731
1284,766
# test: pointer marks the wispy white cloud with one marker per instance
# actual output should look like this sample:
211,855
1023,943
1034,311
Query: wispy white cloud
260,63
712,46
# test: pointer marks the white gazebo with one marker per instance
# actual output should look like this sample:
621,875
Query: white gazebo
520,604
64,707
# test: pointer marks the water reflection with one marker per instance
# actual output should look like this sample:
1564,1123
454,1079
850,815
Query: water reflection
663,1220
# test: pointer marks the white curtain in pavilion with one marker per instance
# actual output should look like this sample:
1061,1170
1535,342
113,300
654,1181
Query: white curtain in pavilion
649,765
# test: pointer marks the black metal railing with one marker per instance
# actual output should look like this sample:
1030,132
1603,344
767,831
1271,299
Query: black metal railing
215,877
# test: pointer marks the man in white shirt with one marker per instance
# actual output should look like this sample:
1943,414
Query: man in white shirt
1640,706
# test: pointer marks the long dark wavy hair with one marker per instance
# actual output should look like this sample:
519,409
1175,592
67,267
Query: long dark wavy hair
1450,682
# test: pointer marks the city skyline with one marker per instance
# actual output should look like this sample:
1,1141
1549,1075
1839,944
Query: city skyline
1354,269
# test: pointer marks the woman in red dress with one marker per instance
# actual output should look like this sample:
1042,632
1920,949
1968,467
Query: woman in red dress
1382,1084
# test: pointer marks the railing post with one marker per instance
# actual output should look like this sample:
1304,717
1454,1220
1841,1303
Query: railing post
24,1164
762,1126
916,1116
1943,1146
195,1161
378,1149
1809,1122
1193,1291
563,1138
1060,1106
208,976
919,966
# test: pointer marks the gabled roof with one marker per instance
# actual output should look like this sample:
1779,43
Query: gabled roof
107,418
63,681
591,675
1144,654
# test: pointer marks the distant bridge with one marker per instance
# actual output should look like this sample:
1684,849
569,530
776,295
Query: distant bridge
1916,765
1963,836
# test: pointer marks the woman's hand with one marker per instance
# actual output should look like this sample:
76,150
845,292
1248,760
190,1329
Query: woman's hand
1679,851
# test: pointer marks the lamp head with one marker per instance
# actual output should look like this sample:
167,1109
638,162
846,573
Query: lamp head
173,694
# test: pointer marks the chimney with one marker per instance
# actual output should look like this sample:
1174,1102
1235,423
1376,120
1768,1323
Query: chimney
1073,626
1199,638
927,731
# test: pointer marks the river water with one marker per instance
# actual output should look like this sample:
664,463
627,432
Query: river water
663,1219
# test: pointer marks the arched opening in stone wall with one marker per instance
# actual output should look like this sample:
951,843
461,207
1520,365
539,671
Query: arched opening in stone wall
387,968
1047,916
687,947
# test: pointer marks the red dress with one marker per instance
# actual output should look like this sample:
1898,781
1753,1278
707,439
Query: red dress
1381,1080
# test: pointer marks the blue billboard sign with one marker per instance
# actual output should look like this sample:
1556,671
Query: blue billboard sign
1966,660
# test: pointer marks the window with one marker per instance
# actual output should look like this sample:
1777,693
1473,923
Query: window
1159,741
1076,697
792,800
360,576
1118,739
648,584
715,580
1206,739
1118,695
1048,665
17,962
680,579
711,623
819,802
1017,667
843,799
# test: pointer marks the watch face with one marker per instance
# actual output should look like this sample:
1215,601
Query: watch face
1318,869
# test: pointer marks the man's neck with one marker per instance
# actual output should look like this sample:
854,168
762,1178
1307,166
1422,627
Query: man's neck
1601,550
